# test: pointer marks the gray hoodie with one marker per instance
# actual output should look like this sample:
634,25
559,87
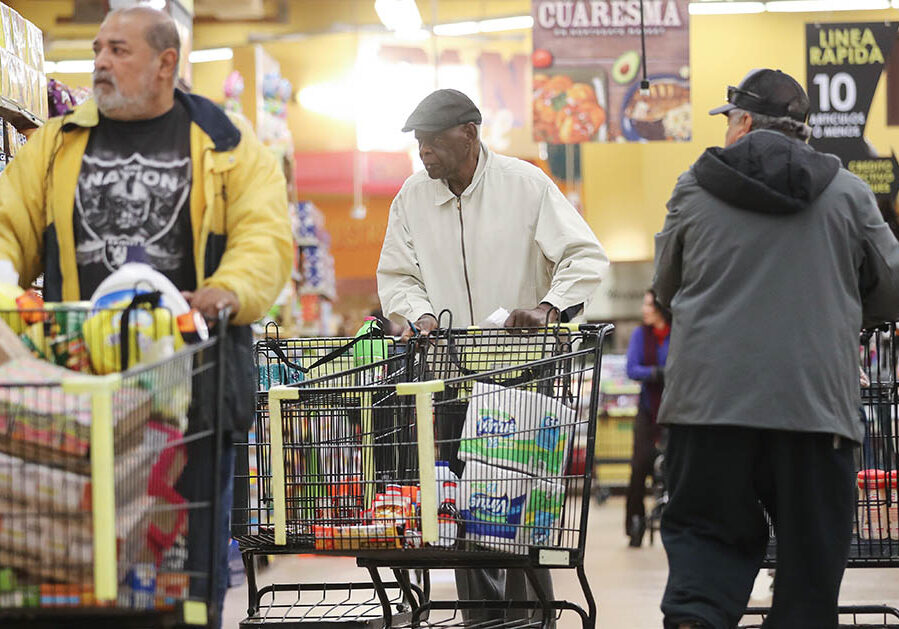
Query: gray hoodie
772,258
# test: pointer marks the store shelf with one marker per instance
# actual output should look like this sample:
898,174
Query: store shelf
17,116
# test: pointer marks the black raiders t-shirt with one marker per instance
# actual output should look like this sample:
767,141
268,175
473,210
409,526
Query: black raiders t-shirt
134,191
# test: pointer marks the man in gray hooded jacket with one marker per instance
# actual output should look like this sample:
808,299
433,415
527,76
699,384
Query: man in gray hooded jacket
772,258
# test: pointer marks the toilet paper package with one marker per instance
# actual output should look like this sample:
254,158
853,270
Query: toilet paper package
521,430
509,511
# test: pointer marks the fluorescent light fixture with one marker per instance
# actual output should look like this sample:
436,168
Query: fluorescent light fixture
211,54
456,29
513,23
69,66
159,5
493,25
398,15
725,8
810,6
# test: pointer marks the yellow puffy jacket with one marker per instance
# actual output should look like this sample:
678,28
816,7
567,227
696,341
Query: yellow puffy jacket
238,207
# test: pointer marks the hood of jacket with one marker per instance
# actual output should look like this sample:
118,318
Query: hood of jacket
766,171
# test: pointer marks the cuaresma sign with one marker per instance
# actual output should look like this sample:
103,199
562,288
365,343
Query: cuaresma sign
587,62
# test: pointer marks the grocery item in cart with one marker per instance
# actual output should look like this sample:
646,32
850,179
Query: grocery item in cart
60,546
507,510
152,336
893,508
11,347
35,410
521,430
872,516
136,278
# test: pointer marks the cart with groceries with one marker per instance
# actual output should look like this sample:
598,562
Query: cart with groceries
875,532
455,453
109,430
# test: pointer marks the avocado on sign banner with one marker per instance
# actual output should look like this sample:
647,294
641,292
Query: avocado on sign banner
588,65
844,64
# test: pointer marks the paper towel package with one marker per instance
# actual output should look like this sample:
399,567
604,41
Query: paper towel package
521,430
507,510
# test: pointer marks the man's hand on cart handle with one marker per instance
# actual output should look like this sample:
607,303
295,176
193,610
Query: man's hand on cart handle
426,324
210,301
534,318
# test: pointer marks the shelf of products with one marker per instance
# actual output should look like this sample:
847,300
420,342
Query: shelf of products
618,400
23,88
23,84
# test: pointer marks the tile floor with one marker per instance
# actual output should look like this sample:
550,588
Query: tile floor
626,582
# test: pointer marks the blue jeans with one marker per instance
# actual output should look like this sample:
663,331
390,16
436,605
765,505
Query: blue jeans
196,483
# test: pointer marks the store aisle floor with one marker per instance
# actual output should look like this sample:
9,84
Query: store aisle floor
627,582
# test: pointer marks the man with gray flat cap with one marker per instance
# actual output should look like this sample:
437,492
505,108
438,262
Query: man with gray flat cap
772,258
474,232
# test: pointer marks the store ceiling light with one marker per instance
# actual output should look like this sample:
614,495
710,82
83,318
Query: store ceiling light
493,25
69,66
514,23
211,54
725,8
456,29
400,16
810,6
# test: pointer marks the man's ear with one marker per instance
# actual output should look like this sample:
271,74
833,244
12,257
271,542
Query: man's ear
471,131
168,66
745,124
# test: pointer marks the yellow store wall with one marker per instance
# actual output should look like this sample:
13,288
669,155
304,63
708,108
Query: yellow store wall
626,186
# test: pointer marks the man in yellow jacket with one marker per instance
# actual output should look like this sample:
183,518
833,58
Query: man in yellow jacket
145,165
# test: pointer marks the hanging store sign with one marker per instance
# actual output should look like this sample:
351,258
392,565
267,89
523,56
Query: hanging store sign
844,64
587,62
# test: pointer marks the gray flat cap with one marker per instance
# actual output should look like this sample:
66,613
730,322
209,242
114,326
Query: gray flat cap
441,110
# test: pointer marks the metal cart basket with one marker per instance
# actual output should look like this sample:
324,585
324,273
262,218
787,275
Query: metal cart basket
453,454
101,521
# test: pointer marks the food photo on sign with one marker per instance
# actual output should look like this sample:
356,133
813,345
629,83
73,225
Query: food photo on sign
589,60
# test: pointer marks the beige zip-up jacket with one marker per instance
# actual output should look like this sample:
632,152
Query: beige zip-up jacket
511,240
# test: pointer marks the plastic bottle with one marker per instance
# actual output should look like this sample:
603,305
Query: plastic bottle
372,349
872,504
449,520
443,474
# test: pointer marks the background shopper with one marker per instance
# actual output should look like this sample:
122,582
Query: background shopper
473,232
646,355
772,258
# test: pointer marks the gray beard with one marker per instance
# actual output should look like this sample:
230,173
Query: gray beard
114,103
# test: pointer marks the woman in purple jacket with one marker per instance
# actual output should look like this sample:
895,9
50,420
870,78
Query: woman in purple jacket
646,356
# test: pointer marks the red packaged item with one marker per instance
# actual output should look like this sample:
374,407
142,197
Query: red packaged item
324,537
192,326
30,306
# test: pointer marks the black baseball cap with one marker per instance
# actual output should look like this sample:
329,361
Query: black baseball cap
767,92
441,110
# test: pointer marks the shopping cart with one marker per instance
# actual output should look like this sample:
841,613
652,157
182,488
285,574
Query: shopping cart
453,454
100,522
279,361
875,538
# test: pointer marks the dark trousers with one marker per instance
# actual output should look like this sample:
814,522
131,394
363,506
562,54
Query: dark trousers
715,532
500,584
202,540
642,460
